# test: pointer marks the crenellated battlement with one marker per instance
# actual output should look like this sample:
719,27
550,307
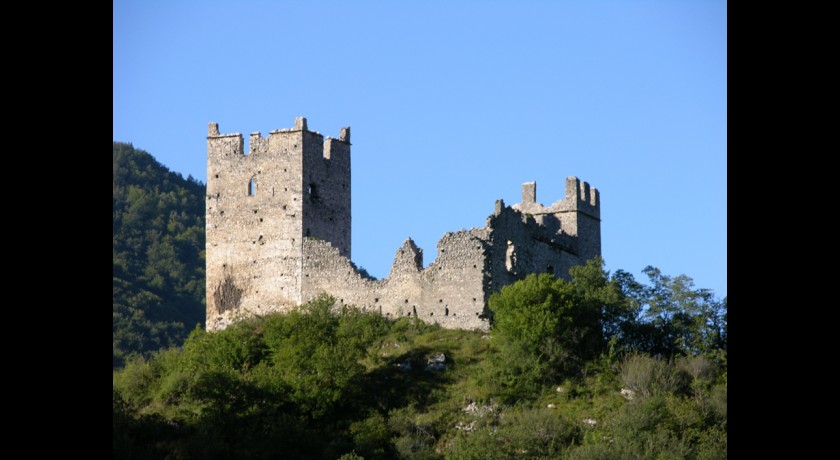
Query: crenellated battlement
580,197
232,145
278,228
576,215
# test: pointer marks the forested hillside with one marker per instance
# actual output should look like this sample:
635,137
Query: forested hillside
599,367
158,254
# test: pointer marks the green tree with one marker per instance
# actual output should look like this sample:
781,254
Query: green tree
671,316
545,327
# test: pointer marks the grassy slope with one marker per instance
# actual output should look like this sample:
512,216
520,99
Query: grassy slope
397,412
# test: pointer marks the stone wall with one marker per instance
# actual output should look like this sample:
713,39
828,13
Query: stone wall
450,291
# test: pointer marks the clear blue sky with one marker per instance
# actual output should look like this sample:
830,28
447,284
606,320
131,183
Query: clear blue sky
455,104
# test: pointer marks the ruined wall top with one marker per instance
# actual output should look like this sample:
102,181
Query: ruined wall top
579,197
233,142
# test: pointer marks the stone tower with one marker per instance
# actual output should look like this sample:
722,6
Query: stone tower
261,204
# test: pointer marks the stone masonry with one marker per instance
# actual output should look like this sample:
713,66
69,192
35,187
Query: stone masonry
278,235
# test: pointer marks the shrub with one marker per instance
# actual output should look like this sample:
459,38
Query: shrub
649,376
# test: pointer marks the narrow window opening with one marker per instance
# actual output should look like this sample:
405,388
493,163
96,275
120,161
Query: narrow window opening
252,187
510,257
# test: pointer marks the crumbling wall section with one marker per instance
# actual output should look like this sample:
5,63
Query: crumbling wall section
454,290
325,270
450,291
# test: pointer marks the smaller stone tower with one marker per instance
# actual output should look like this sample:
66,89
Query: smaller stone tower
577,215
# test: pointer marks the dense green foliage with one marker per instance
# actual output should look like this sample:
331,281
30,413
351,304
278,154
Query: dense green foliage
158,254
567,371
545,327
668,317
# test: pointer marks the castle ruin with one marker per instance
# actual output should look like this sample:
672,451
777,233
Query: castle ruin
278,235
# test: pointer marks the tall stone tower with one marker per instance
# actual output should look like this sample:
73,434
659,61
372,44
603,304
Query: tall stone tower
291,185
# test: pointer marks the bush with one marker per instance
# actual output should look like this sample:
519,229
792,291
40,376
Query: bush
648,376
521,433
371,437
